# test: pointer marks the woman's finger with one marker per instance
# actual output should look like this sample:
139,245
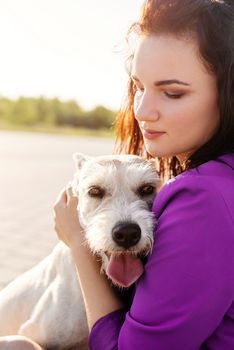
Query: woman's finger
62,198
71,195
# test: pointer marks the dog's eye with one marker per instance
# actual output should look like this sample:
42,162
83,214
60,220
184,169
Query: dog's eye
96,191
146,190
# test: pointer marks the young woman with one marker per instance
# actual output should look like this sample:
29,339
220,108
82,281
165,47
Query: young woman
180,110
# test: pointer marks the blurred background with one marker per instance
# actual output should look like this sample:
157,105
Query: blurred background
62,61
62,81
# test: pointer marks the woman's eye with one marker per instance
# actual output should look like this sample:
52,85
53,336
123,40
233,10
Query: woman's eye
173,95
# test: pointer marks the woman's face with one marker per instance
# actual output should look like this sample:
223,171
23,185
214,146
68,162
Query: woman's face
176,100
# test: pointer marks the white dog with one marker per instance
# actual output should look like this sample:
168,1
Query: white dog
115,197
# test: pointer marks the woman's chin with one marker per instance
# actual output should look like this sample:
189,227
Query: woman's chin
154,152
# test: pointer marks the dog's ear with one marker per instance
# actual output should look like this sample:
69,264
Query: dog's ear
80,159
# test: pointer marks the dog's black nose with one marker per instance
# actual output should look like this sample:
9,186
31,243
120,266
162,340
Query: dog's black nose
126,234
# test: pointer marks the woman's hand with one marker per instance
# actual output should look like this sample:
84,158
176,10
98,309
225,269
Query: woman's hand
67,225
99,297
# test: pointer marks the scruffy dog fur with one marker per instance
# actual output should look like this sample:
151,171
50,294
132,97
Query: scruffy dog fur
115,197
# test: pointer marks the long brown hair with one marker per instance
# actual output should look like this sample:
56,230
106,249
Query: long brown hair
211,22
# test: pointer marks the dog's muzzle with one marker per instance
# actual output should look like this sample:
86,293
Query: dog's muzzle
126,234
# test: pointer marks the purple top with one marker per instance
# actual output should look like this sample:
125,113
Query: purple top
185,298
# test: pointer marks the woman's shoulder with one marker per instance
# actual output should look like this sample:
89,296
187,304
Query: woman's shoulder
221,167
209,182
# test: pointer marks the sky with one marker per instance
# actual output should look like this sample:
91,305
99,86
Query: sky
70,49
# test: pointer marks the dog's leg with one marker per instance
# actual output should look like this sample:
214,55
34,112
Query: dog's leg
18,299
54,317
18,343
45,301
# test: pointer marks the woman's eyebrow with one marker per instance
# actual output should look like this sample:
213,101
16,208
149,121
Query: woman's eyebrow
169,82
164,82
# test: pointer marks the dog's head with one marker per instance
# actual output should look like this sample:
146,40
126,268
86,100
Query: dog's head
115,197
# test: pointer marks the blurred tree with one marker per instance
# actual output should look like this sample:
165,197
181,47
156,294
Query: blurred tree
99,117
69,113
44,111
23,112
5,108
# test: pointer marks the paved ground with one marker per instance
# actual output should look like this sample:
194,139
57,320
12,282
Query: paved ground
33,169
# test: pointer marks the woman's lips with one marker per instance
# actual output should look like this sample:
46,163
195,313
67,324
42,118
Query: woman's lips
152,134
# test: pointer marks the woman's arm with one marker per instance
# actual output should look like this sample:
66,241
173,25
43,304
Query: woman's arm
187,287
99,297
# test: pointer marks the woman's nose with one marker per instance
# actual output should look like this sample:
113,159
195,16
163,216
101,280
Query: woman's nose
145,109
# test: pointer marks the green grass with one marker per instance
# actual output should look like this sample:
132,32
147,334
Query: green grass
48,129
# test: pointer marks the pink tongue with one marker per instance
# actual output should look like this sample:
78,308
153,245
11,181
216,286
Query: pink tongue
124,269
